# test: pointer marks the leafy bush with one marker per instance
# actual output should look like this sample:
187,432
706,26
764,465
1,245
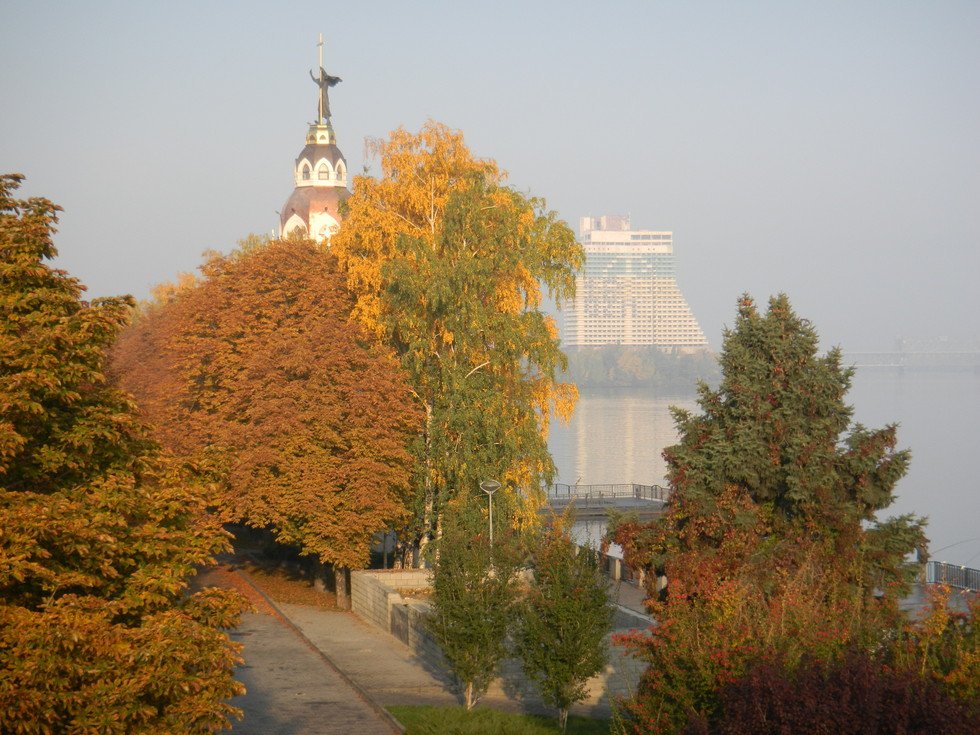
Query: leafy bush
564,619
474,595
856,695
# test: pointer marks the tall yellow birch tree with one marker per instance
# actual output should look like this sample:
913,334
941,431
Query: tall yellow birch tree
449,266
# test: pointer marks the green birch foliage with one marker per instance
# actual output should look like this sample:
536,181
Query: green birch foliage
564,620
449,266
462,313
473,596
98,534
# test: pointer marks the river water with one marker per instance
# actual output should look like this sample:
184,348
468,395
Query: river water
618,435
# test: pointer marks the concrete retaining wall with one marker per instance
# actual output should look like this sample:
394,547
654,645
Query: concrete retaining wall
375,597
374,592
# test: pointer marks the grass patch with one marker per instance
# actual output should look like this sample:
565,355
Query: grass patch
480,721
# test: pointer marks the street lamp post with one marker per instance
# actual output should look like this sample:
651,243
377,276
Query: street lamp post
490,487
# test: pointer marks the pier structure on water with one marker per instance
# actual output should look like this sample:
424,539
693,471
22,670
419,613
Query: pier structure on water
595,501
921,361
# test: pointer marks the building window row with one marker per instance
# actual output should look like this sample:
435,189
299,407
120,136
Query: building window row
323,173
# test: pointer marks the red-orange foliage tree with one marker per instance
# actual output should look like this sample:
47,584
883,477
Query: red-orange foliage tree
98,532
256,373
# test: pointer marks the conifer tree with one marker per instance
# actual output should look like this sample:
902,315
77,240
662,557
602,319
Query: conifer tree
564,619
98,532
778,429
770,541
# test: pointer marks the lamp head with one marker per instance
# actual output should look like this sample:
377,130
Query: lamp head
489,486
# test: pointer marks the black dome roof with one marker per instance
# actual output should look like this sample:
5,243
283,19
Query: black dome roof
315,151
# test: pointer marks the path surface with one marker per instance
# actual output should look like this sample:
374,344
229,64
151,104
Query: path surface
292,687
380,664
390,674
387,670
294,656
292,690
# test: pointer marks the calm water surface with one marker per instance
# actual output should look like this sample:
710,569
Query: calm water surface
618,436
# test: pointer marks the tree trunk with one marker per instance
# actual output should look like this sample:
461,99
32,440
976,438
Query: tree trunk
428,489
563,718
320,576
470,699
341,576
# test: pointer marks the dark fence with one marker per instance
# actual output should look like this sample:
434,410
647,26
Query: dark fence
597,494
939,572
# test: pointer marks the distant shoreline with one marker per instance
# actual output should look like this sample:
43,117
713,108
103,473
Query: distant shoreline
641,367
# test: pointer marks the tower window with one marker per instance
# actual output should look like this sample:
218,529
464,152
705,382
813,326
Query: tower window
323,173
306,172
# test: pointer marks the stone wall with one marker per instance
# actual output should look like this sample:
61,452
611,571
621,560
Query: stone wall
374,592
375,597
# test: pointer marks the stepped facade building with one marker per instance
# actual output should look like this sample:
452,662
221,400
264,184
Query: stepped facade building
627,292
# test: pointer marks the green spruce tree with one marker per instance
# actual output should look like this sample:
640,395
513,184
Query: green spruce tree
771,542
778,428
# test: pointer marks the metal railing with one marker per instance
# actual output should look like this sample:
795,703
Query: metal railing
939,572
598,494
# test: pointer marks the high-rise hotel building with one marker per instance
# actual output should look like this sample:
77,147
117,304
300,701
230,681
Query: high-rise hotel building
627,293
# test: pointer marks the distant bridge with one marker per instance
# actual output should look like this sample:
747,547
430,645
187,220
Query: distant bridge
964,578
956,361
595,501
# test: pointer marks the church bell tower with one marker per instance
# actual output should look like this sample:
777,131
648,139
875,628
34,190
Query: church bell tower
320,173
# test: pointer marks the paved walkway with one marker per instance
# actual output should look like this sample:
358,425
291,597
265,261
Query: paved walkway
295,655
381,665
293,688
390,674
630,598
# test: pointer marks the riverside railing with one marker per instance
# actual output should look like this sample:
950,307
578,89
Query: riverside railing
598,494
965,578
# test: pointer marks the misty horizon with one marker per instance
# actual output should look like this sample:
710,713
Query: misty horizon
828,152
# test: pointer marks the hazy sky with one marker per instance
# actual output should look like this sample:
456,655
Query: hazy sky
829,150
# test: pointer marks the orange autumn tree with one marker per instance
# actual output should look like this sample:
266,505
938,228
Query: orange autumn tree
255,373
99,533
449,266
